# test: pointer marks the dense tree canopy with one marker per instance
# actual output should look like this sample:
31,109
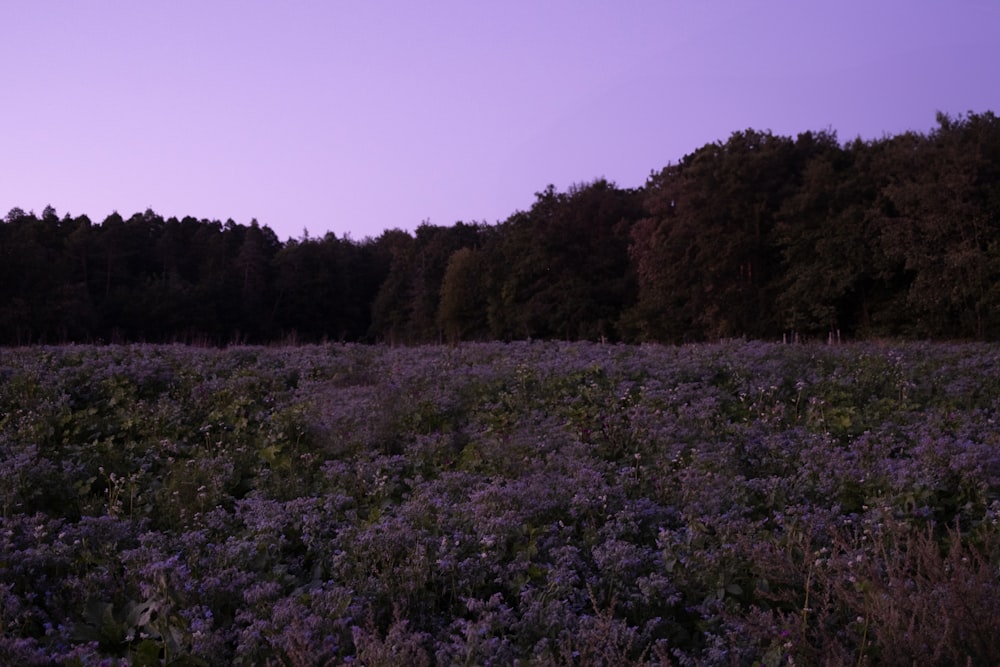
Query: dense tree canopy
561,269
706,255
756,236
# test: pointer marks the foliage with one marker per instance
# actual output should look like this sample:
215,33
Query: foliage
540,503
706,253
561,269
759,236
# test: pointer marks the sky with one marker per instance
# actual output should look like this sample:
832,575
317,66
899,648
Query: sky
359,117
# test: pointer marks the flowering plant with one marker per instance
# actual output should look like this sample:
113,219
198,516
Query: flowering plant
532,503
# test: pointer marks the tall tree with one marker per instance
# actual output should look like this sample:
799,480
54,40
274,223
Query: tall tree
561,269
22,262
254,262
835,276
406,307
314,300
462,311
943,224
392,306
705,257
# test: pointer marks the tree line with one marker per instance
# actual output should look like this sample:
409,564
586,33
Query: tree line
757,236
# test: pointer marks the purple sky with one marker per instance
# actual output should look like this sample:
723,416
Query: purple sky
357,117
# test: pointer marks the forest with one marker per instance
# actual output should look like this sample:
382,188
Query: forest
759,236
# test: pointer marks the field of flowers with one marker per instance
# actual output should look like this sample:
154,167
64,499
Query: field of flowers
497,504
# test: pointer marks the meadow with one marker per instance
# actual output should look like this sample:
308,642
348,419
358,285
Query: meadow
532,503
